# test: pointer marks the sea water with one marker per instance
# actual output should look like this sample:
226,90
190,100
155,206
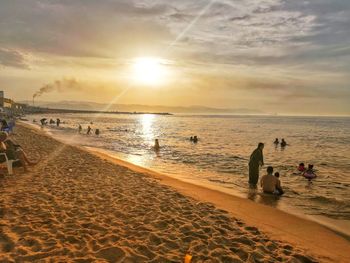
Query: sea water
221,156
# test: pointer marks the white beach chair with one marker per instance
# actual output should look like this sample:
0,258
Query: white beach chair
9,163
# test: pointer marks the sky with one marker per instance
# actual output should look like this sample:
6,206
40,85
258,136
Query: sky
275,56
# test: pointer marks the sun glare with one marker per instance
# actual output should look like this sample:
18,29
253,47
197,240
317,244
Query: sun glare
148,71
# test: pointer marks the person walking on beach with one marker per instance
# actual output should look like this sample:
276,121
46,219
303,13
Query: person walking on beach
256,160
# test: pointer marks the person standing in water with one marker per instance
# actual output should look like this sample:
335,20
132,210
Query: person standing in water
88,130
283,143
43,122
58,121
156,146
256,160
80,128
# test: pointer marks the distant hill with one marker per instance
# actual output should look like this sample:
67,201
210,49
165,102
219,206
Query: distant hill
82,105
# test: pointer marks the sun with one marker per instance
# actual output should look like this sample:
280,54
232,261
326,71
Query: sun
148,71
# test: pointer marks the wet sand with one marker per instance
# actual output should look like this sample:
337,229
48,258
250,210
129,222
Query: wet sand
76,206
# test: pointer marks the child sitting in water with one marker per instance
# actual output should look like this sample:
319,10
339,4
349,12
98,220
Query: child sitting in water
310,172
301,167
279,189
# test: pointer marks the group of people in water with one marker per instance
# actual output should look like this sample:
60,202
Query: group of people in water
58,122
194,139
277,142
89,130
270,183
156,145
44,122
309,172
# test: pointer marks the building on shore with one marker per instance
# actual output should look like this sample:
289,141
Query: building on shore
10,107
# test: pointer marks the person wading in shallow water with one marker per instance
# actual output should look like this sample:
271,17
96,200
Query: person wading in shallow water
256,160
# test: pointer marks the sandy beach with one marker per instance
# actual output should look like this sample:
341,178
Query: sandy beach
76,206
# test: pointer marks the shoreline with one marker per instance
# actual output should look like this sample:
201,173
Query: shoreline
323,221
340,227
276,223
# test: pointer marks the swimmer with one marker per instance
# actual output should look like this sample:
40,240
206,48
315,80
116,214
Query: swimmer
301,167
310,173
195,139
283,143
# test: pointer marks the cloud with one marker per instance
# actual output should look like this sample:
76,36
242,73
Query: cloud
12,58
276,46
79,28
262,31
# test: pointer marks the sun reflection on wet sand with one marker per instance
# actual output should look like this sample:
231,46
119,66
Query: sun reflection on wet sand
141,160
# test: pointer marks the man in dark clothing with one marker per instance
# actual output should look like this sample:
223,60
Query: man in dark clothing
256,159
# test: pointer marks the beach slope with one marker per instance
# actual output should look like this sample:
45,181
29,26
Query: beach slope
75,206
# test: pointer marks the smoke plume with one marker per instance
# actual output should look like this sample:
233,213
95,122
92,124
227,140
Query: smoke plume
58,85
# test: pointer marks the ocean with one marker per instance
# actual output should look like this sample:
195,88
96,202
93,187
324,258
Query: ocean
220,158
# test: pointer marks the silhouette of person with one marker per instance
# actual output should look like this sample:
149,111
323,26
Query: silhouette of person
156,146
255,161
283,143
